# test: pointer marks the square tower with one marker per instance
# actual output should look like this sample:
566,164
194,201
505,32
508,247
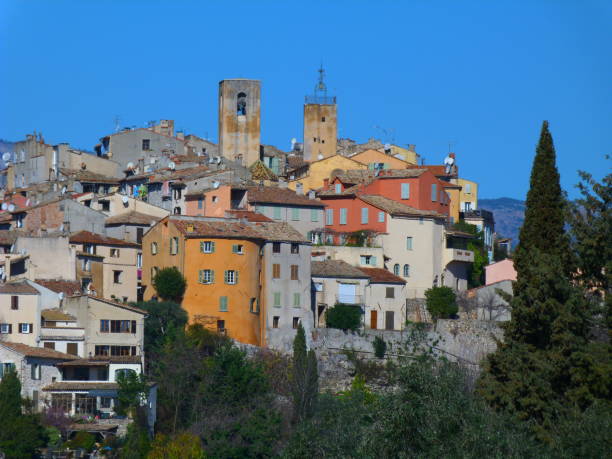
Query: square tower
240,120
320,123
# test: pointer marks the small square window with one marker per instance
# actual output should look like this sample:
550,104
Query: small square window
276,247
275,321
114,253
206,276
238,248
146,144
25,328
117,277
390,292
153,248
295,248
207,247
231,277
296,322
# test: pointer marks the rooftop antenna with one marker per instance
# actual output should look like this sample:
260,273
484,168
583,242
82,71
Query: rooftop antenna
451,145
117,123
321,87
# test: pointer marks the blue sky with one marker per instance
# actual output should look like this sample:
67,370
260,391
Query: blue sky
480,75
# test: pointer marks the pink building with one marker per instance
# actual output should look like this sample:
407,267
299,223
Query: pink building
502,270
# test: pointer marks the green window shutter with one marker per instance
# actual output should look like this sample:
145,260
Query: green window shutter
277,299
371,166
434,192
212,247
202,246
225,276
201,276
236,277
314,215
223,304
409,243
295,214
373,261
296,299
235,248
386,166
212,276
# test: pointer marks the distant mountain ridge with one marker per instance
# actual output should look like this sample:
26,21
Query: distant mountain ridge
509,214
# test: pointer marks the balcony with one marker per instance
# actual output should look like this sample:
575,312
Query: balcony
350,299
320,100
67,333
460,255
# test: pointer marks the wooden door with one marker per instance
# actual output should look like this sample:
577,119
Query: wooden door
373,319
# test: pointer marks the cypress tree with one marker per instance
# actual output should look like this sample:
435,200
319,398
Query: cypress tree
305,379
531,373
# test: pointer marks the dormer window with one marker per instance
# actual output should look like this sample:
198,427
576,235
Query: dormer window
338,188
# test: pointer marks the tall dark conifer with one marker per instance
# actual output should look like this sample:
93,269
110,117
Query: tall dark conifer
530,375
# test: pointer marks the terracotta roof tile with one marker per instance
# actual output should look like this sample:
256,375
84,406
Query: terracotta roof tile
42,352
335,268
67,287
193,227
259,171
102,360
87,237
8,237
18,288
81,385
382,276
132,218
248,215
397,208
119,305
88,176
279,231
276,195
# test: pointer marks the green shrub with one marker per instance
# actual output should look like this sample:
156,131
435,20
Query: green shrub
83,440
343,316
441,302
380,347
170,284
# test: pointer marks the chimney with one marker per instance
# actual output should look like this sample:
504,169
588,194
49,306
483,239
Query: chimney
299,188
180,135
412,148
326,183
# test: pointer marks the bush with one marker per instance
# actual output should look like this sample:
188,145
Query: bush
380,347
441,302
83,440
170,284
343,316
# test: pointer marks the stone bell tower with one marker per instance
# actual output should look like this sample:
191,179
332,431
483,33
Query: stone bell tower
320,123
240,120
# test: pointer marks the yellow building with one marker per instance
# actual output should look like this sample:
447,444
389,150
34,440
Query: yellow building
409,154
375,159
454,192
318,171
468,197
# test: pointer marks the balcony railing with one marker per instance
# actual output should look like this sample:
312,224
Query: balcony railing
320,100
466,256
349,299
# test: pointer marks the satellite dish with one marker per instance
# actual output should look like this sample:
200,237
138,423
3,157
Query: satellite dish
4,206
218,159
449,160
11,207
125,200
6,157
64,189
215,184
171,165
152,160
320,157
28,202
211,160
130,165
387,146
137,171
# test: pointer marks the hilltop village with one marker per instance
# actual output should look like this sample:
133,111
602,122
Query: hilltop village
266,240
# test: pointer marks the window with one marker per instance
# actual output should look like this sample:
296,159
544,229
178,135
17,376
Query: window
409,243
390,292
314,215
115,350
277,213
86,264
276,247
238,248
364,215
102,350
241,103
6,328
367,260
154,271
146,144
295,248
105,402
297,300
296,322
406,270
35,371
105,206
200,202
104,326
467,206
223,304
295,214
153,248
117,276
221,326
25,328
14,302
139,260
207,247
434,192
381,217
89,248
114,253
396,269
294,272
338,188
254,305
322,119
421,220
275,321
277,299
405,190
85,283
215,199
19,218
329,217
123,326
468,188
123,372
72,348
174,246
49,345
206,276
276,271
231,277
343,216
177,211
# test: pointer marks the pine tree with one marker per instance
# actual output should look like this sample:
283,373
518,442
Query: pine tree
531,375
305,380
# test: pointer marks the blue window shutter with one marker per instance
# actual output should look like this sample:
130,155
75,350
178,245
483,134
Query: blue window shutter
364,215
223,303
405,190
330,216
385,165
381,217
373,261
343,215
434,192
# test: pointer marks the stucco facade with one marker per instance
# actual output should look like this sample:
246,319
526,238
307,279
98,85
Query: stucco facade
468,197
375,159
320,170
320,129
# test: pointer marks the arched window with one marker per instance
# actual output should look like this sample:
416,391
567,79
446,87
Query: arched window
241,103
406,270
396,269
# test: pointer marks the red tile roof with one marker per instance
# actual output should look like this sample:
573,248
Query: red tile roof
87,237
382,276
18,288
41,352
397,208
283,196
132,218
335,268
67,287
119,305
248,215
